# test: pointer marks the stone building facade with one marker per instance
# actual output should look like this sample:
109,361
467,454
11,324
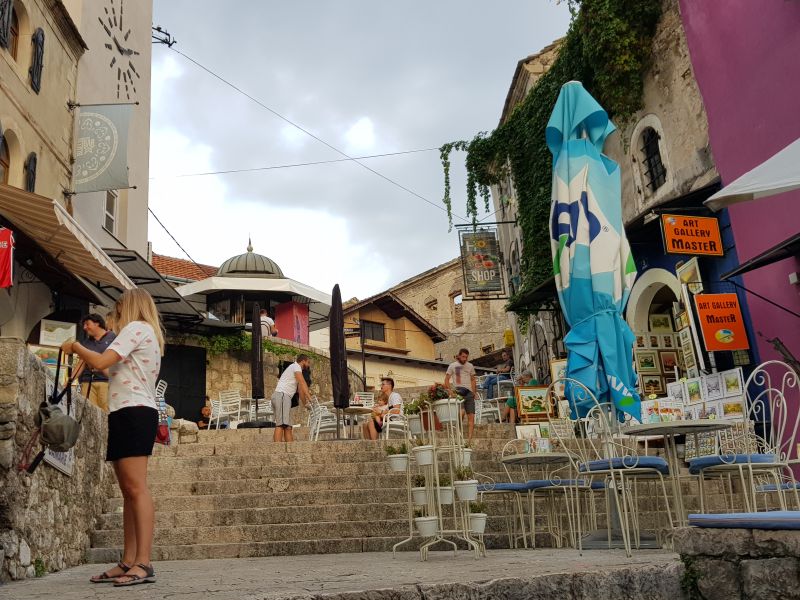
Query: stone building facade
437,295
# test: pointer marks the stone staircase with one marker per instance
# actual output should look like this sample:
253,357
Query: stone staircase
238,494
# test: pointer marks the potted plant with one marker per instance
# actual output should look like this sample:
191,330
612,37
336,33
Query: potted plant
423,453
477,517
411,410
445,490
464,456
447,408
466,486
427,526
398,458
418,492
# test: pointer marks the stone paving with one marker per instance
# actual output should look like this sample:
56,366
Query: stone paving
508,574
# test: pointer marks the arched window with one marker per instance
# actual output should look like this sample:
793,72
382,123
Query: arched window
13,33
30,173
655,174
5,160
37,60
6,10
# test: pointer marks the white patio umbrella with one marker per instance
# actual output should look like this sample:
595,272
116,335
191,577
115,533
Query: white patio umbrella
779,173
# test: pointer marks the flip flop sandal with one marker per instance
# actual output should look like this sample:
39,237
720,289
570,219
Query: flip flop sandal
106,578
149,577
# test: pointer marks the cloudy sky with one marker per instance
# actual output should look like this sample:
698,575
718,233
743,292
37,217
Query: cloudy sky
367,77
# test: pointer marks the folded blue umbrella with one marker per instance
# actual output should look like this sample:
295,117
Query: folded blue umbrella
592,262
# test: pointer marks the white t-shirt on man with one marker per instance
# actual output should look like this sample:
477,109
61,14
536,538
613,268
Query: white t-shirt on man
267,325
395,400
288,382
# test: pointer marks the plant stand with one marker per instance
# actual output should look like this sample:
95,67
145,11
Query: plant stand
446,442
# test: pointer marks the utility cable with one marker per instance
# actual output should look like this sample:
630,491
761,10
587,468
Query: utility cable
164,227
308,133
291,165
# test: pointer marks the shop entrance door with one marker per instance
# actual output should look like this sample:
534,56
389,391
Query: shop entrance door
184,370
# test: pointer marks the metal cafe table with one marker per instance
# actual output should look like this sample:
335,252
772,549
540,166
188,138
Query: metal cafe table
669,430
354,411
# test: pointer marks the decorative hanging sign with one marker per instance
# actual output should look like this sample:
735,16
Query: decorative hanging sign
691,235
481,264
721,322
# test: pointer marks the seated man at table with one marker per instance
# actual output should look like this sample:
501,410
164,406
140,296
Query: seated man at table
503,372
510,409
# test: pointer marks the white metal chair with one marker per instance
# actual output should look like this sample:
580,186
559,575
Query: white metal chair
229,405
394,422
761,456
320,420
367,399
487,409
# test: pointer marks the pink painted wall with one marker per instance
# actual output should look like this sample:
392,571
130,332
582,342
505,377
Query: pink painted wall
291,319
746,59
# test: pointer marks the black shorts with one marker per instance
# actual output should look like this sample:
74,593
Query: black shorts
131,432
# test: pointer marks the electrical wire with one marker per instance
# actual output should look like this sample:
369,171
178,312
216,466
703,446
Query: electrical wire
308,133
289,166
164,227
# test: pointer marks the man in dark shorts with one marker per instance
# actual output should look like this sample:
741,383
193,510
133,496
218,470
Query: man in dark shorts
460,377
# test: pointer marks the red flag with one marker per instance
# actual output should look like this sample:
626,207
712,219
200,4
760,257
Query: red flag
6,257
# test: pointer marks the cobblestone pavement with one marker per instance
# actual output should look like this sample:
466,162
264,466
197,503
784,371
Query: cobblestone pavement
311,575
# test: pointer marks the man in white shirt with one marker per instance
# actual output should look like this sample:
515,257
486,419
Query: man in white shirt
268,327
460,377
395,399
291,381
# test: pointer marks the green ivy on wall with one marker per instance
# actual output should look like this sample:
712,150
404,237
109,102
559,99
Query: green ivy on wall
223,344
608,49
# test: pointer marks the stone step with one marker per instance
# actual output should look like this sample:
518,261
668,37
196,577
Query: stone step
365,527
281,514
283,548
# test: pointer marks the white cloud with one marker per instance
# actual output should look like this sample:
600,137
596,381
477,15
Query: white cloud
360,137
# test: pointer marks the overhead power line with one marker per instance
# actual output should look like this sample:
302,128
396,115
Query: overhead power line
164,227
308,133
291,165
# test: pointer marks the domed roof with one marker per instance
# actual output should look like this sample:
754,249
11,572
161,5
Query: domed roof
250,264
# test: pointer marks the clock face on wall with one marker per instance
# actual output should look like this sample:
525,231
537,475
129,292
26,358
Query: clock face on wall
119,44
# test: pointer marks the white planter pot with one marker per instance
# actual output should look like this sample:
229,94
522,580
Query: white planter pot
447,409
467,490
477,522
414,424
427,526
464,457
423,455
398,462
418,496
446,494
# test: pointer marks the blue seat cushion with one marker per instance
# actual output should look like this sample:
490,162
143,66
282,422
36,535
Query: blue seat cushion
771,487
704,462
779,519
502,487
626,462
536,484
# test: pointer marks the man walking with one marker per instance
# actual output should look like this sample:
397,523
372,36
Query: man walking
98,338
291,381
462,374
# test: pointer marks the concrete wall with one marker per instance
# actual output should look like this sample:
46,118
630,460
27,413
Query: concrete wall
744,56
482,322
46,517
405,374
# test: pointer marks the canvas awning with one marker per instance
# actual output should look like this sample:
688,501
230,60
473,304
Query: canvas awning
786,249
172,307
49,224
778,174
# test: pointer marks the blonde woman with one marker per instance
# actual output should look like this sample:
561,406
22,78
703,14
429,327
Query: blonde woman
133,360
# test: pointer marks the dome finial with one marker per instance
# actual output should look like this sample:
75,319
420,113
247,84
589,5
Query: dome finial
249,244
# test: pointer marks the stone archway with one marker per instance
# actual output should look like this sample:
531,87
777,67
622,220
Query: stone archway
647,285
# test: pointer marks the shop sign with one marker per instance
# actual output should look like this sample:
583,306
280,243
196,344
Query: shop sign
481,264
691,235
721,322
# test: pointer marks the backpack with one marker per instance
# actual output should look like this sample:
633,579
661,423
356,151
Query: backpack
56,429
296,397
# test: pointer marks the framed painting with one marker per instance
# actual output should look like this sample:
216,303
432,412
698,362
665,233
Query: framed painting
558,370
641,341
733,408
668,360
660,323
526,432
55,333
689,273
732,384
655,340
647,361
712,386
667,341
692,372
694,390
533,403
651,384
675,391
